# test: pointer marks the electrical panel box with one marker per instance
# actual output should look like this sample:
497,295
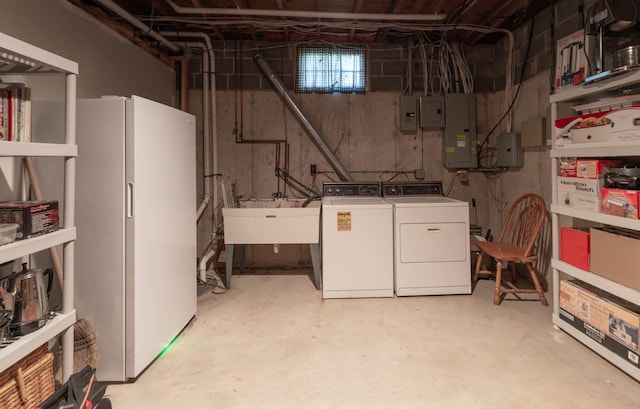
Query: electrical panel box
408,113
431,111
460,145
510,150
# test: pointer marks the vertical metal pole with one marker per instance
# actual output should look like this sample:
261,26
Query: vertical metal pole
69,222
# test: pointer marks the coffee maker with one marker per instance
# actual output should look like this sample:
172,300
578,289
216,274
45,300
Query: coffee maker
614,24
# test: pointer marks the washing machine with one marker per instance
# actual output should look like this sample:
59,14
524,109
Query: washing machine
357,241
431,240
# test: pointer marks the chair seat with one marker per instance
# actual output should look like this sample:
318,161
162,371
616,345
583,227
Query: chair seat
505,251
517,243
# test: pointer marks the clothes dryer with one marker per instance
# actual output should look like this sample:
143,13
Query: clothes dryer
431,240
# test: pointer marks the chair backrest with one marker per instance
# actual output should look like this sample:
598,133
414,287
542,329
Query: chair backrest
523,222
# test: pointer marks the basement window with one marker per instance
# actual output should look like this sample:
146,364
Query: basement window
325,70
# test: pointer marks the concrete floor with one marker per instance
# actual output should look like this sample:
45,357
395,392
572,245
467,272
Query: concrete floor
272,342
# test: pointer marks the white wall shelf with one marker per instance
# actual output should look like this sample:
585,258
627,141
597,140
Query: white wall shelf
600,152
596,217
37,149
19,248
600,88
20,58
608,89
14,351
598,281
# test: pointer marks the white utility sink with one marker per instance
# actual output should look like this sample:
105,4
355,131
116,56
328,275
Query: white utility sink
280,221
272,222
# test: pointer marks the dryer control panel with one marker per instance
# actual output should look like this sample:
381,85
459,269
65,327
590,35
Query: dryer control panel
411,188
351,189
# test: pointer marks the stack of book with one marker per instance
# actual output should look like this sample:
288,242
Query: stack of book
15,112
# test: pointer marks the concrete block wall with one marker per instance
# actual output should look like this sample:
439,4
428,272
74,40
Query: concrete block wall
362,129
388,67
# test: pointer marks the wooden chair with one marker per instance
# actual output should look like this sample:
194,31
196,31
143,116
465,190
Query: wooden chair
515,245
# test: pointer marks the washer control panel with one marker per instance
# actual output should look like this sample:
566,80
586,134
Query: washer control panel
351,189
411,188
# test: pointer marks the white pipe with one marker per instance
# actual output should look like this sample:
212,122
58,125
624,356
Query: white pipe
306,14
202,269
137,23
203,205
209,117
206,133
209,127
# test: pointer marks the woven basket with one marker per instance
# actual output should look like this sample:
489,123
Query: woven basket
28,382
85,349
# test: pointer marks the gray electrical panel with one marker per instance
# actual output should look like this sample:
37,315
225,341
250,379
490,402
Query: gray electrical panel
510,151
460,143
408,113
431,111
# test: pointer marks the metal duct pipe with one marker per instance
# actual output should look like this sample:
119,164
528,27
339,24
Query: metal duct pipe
295,110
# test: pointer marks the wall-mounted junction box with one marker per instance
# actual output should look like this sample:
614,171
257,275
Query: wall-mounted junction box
408,113
460,145
534,132
431,111
510,151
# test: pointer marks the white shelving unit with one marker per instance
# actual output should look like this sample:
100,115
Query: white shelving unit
561,106
18,58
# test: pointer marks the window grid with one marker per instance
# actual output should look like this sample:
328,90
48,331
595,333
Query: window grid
325,70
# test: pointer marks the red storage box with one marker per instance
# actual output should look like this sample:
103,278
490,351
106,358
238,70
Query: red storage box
574,247
620,202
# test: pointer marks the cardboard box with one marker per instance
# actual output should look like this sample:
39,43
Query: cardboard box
616,127
33,217
572,59
574,247
614,255
568,167
579,193
607,319
595,168
620,202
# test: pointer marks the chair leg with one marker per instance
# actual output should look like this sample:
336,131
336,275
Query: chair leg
497,293
536,282
476,271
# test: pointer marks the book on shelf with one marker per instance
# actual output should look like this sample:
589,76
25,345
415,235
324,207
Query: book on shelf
15,112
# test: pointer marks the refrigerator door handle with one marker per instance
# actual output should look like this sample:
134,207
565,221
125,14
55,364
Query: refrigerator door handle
130,199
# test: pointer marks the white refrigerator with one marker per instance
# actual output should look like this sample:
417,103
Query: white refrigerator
135,278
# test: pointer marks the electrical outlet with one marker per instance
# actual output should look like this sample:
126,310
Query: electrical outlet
313,170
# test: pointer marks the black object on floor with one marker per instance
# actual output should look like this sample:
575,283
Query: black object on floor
80,389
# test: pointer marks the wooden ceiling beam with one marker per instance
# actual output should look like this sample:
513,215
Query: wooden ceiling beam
392,8
244,4
493,20
318,5
215,29
357,8
282,6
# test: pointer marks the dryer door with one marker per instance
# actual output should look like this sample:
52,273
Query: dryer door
433,242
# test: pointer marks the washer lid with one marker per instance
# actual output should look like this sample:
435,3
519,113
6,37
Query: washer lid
349,201
417,201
